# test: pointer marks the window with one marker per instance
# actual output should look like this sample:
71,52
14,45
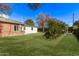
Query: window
21,28
31,28
24,28
16,28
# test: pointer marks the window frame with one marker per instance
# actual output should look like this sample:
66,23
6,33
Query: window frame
16,28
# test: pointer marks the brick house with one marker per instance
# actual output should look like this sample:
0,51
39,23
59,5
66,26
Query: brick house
10,27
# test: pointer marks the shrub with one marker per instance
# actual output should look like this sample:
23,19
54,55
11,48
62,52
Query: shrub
47,34
41,29
70,29
76,33
54,29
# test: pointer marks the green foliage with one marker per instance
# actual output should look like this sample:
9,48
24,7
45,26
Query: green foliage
29,22
76,23
52,27
55,28
70,29
39,29
76,29
76,33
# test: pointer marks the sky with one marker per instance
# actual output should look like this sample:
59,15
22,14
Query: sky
61,11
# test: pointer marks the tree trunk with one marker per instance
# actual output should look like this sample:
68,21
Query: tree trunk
43,29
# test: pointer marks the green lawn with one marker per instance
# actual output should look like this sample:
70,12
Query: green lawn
36,45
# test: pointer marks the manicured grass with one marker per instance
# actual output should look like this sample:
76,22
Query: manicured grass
36,45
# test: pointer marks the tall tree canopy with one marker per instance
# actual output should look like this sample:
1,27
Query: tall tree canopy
29,22
76,23
5,8
54,28
34,6
42,19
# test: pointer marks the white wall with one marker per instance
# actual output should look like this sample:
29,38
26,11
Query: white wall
29,30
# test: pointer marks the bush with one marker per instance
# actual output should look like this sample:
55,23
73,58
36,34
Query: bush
54,29
47,34
70,29
51,35
76,33
41,29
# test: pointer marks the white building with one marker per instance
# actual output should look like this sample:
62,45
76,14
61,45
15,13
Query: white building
29,30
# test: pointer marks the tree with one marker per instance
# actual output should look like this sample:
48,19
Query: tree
29,22
5,8
55,28
34,6
76,29
41,20
76,23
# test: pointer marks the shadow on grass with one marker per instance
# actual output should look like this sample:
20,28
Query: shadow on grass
76,36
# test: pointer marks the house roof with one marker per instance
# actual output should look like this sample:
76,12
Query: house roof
2,19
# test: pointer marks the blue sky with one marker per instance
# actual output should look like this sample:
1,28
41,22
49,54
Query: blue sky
61,11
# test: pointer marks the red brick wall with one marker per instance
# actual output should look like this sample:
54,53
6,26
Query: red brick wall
8,30
0,29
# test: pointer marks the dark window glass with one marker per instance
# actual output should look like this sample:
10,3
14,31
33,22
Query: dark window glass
31,28
15,28
24,28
